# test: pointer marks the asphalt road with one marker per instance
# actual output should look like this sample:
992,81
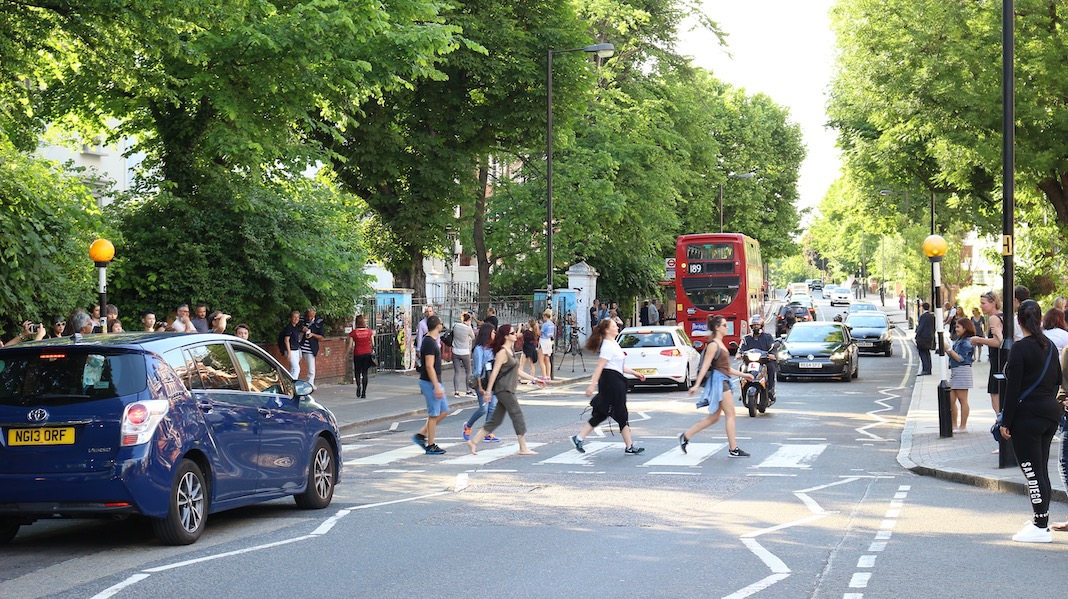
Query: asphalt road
821,509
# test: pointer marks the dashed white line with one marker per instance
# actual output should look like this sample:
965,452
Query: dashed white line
860,580
866,561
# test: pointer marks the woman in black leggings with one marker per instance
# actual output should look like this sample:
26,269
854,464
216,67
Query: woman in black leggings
1030,414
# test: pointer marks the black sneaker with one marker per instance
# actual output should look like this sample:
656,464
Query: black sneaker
434,450
632,450
683,442
578,443
419,440
738,452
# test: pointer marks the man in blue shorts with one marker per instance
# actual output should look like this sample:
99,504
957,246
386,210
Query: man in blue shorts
437,408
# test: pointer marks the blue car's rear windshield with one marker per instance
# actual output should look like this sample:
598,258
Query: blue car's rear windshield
54,376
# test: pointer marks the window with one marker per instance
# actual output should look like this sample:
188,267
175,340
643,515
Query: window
710,251
260,375
214,368
57,377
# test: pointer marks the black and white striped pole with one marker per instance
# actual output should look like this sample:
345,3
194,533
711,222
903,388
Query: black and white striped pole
935,248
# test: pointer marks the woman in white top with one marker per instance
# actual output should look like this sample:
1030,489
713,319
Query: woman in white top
1054,328
610,384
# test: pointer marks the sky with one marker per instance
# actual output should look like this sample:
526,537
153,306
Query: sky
785,49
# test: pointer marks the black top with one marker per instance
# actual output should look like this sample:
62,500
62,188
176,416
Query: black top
925,330
763,341
290,337
430,348
493,321
997,360
1025,364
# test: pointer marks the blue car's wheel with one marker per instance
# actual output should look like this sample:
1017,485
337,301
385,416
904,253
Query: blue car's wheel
187,511
322,476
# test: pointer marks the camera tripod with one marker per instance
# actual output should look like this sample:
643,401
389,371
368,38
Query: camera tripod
573,348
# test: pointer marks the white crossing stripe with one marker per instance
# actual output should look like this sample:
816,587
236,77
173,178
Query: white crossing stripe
591,447
793,456
388,457
487,455
696,453
348,446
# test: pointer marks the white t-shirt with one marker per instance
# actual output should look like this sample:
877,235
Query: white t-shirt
178,326
611,351
1059,337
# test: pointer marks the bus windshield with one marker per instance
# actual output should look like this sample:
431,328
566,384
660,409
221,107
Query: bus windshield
711,293
710,251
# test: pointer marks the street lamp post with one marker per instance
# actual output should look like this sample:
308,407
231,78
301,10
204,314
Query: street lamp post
730,176
602,51
102,252
935,248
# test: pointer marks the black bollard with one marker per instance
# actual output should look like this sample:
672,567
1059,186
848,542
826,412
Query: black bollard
945,412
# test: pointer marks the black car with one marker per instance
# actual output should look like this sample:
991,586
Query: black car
818,350
801,314
872,331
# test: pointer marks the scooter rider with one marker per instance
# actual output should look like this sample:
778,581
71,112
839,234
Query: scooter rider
758,339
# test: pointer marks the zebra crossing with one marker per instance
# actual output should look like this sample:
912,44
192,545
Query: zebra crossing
788,456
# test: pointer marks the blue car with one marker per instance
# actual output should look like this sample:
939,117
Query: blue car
165,425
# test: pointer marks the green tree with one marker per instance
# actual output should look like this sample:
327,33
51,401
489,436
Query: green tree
917,102
47,221
418,153
255,251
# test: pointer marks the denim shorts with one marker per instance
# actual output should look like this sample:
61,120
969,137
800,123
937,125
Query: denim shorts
434,406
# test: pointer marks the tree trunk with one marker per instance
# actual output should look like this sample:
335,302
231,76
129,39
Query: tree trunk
1054,188
479,235
412,276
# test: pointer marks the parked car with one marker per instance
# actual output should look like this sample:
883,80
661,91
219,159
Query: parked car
818,349
840,295
801,314
872,331
863,307
171,427
665,355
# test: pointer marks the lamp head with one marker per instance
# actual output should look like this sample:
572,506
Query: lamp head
102,251
605,50
935,247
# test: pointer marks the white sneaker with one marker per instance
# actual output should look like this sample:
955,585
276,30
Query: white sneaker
1033,534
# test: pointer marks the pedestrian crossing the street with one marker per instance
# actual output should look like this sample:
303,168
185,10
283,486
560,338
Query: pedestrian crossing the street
788,456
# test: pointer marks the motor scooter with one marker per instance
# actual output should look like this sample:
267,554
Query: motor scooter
755,395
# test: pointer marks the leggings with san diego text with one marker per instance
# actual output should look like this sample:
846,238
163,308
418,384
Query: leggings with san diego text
1031,439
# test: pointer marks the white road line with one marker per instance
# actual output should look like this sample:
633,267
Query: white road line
461,482
395,455
888,524
576,458
793,456
860,580
757,533
883,535
111,591
756,587
208,558
487,455
866,561
776,565
696,453
877,546
349,446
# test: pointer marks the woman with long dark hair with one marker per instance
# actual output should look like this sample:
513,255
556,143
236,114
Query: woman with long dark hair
611,386
482,357
1031,413
363,347
721,401
961,356
503,380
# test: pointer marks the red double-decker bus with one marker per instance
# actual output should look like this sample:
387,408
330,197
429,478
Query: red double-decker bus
717,273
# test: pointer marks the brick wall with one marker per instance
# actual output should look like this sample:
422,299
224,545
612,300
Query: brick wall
332,365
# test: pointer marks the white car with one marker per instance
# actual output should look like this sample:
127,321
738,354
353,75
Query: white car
840,295
664,355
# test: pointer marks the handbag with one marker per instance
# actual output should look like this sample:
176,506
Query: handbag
995,430
706,395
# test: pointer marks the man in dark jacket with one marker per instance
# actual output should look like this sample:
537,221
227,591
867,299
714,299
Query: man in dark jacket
925,335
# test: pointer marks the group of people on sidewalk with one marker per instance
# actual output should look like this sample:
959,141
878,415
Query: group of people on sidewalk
1028,387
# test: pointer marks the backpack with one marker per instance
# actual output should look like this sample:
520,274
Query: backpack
446,338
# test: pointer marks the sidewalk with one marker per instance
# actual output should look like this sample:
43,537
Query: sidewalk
964,458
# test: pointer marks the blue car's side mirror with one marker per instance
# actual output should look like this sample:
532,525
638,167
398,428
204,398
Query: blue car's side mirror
302,389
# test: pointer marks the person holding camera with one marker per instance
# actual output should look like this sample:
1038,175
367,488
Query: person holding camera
313,331
30,331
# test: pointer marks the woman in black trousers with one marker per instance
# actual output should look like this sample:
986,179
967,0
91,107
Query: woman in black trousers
1031,413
